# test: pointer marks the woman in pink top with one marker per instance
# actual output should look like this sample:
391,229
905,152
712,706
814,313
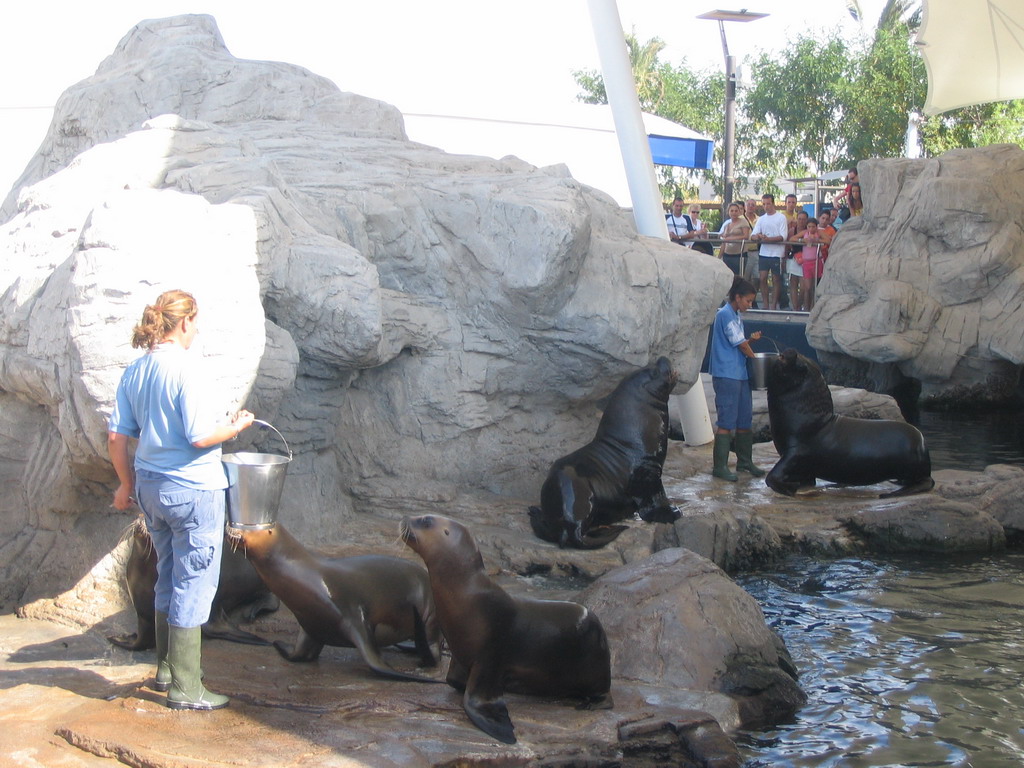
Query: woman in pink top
809,259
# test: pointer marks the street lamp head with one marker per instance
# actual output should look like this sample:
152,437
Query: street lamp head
730,93
740,15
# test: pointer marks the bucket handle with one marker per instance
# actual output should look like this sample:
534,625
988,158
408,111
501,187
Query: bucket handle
268,425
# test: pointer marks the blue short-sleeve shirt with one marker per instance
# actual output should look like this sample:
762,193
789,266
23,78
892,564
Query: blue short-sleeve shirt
160,402
727,360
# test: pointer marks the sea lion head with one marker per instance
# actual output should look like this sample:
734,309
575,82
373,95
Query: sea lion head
789,371
658,378
254,542
438,539
797,392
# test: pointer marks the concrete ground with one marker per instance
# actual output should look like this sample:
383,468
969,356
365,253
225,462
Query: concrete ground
70,699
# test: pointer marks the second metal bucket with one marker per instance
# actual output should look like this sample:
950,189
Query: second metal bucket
255,483
759,369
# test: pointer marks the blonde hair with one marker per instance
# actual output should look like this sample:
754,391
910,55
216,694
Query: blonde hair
160,318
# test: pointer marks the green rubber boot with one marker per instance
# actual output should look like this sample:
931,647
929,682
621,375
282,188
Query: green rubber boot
184,653
721,456
163,671
744,461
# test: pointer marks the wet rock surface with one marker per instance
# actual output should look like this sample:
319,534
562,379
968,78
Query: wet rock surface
70,698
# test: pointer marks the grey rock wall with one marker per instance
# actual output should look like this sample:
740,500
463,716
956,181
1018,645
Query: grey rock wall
411,321
929,283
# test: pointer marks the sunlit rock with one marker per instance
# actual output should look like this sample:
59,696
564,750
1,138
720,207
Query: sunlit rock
929,283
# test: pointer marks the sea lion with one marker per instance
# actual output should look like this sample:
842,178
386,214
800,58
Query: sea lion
813,442
499,642
239,586
618,473
364,602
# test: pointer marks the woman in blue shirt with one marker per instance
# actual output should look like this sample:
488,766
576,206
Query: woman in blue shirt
179,482
730,349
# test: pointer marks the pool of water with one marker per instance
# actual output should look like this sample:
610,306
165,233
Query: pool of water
966,440
906,662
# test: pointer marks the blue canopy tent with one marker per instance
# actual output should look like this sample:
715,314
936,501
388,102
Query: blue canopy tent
681,152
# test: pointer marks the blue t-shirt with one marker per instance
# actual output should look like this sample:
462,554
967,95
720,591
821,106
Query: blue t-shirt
160,402
727,359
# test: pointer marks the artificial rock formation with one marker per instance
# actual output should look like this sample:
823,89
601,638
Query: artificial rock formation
411,321
676,620
928,285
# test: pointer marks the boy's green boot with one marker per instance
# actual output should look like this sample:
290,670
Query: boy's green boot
744,460
721,456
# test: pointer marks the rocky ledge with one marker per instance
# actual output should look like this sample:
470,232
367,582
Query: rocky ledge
692,657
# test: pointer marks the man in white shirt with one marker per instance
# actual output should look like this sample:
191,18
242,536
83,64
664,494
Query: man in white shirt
770,231
680,228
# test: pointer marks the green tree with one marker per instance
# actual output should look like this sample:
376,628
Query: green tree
797,106
820,105
976,126
888,85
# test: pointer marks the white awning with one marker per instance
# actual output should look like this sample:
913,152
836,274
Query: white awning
582,136
974,52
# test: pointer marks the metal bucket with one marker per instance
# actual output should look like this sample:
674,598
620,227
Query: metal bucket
759,369
255,483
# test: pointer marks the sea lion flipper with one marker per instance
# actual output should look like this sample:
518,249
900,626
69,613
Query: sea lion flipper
422,641
222,628
267,603
599,537
920,486
485,705
601,701
457,675
577,507
361,640
131,642
306,648
658,510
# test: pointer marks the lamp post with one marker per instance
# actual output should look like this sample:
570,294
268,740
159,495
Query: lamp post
729,179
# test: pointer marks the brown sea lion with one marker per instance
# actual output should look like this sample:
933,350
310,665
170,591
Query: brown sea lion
814,442
618,473
502,643
364,602
239,586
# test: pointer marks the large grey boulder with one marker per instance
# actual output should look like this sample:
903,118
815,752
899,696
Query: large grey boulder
411,321
929,283
676,620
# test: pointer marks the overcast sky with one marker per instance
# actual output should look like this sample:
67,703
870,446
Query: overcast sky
445,56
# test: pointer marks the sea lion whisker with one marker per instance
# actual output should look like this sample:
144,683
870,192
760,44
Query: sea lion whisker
129,530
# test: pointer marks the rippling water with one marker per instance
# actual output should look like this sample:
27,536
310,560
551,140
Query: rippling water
907,662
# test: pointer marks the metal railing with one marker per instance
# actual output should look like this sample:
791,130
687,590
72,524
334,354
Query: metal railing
745,251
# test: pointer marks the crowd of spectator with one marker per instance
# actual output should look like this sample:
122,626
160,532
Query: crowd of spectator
782,252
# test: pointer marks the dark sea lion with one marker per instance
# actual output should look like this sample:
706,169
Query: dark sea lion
364,602
617,474
502,643
239,586
813,442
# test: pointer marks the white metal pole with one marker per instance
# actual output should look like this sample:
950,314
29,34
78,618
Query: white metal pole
639,165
